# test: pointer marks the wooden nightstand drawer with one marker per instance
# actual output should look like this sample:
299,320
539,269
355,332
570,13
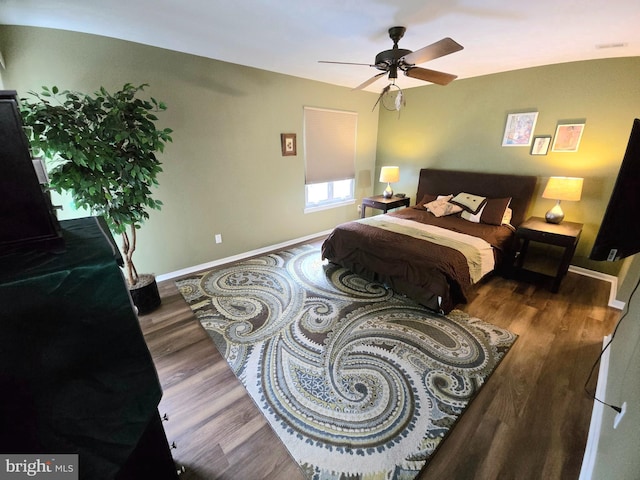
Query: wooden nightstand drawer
374,204
552,238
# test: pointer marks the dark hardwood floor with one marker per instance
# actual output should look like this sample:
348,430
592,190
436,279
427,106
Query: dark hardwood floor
529,421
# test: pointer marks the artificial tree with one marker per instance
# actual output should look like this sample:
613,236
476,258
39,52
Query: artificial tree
102,149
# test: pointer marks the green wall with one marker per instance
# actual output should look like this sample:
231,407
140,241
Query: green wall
617,453
224,172
460,126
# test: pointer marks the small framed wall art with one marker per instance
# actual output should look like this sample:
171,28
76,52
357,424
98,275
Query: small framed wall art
567,138
518,132
540,145
288,144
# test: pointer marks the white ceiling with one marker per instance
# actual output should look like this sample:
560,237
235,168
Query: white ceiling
290,36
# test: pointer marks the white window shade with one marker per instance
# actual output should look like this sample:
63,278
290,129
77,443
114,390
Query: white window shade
329,145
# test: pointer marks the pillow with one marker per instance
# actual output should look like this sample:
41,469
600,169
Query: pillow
471,217
428,198
506,219
470,203
441,206
425,199
493,212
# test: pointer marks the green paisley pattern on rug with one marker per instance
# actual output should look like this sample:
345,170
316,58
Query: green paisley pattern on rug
356,380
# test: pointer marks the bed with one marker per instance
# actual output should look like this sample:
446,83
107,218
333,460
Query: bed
437,260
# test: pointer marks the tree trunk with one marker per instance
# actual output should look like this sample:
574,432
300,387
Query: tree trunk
128,247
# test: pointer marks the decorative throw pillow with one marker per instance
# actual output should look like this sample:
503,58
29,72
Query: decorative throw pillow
428,198
506,219
471,217
441,206
469,202
421,205
492,212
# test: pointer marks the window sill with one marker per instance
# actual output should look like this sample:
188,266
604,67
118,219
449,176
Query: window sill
329,206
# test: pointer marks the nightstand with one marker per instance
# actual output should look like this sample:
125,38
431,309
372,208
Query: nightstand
565,235
384,204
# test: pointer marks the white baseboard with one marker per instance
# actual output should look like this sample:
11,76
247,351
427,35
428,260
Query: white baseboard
589,459
204,266
242,256
602,276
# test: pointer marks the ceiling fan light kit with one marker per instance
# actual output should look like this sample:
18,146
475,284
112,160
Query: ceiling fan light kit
390,61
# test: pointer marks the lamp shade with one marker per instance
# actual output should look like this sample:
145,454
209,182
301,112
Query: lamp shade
390,174
563,188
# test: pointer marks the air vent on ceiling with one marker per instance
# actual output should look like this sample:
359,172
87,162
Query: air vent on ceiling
611,45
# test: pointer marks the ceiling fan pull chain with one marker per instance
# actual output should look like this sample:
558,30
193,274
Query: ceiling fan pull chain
399,100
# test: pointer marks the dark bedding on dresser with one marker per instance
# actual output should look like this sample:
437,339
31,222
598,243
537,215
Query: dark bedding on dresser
433,274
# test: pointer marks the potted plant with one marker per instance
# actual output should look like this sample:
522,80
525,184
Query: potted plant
102,149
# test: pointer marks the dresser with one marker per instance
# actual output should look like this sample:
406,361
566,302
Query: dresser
76,375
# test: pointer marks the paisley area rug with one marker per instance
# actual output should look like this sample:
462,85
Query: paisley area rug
357,381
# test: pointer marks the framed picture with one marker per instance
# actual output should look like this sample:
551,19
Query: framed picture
568,137
540,145
518,131
288,144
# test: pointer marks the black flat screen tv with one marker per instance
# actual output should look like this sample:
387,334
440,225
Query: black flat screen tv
619,233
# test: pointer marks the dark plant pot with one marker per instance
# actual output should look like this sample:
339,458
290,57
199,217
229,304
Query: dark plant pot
146,297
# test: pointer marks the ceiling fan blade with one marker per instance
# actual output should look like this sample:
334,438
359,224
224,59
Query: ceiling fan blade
435,50
346,63
432,76
369,82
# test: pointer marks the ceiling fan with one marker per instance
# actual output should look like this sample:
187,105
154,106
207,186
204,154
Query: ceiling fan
390,61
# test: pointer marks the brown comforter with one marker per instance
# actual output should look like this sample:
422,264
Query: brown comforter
434,275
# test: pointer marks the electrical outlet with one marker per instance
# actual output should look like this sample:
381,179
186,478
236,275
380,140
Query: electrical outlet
218,238
619,415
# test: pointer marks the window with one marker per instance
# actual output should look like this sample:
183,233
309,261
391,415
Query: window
328,194
329,150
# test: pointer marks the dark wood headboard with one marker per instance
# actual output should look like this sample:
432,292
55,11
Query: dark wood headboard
492,185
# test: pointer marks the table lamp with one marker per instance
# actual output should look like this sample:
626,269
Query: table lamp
561,188
389,175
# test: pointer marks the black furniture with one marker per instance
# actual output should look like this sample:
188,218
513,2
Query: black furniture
76,375
385,204
565,235
27,219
